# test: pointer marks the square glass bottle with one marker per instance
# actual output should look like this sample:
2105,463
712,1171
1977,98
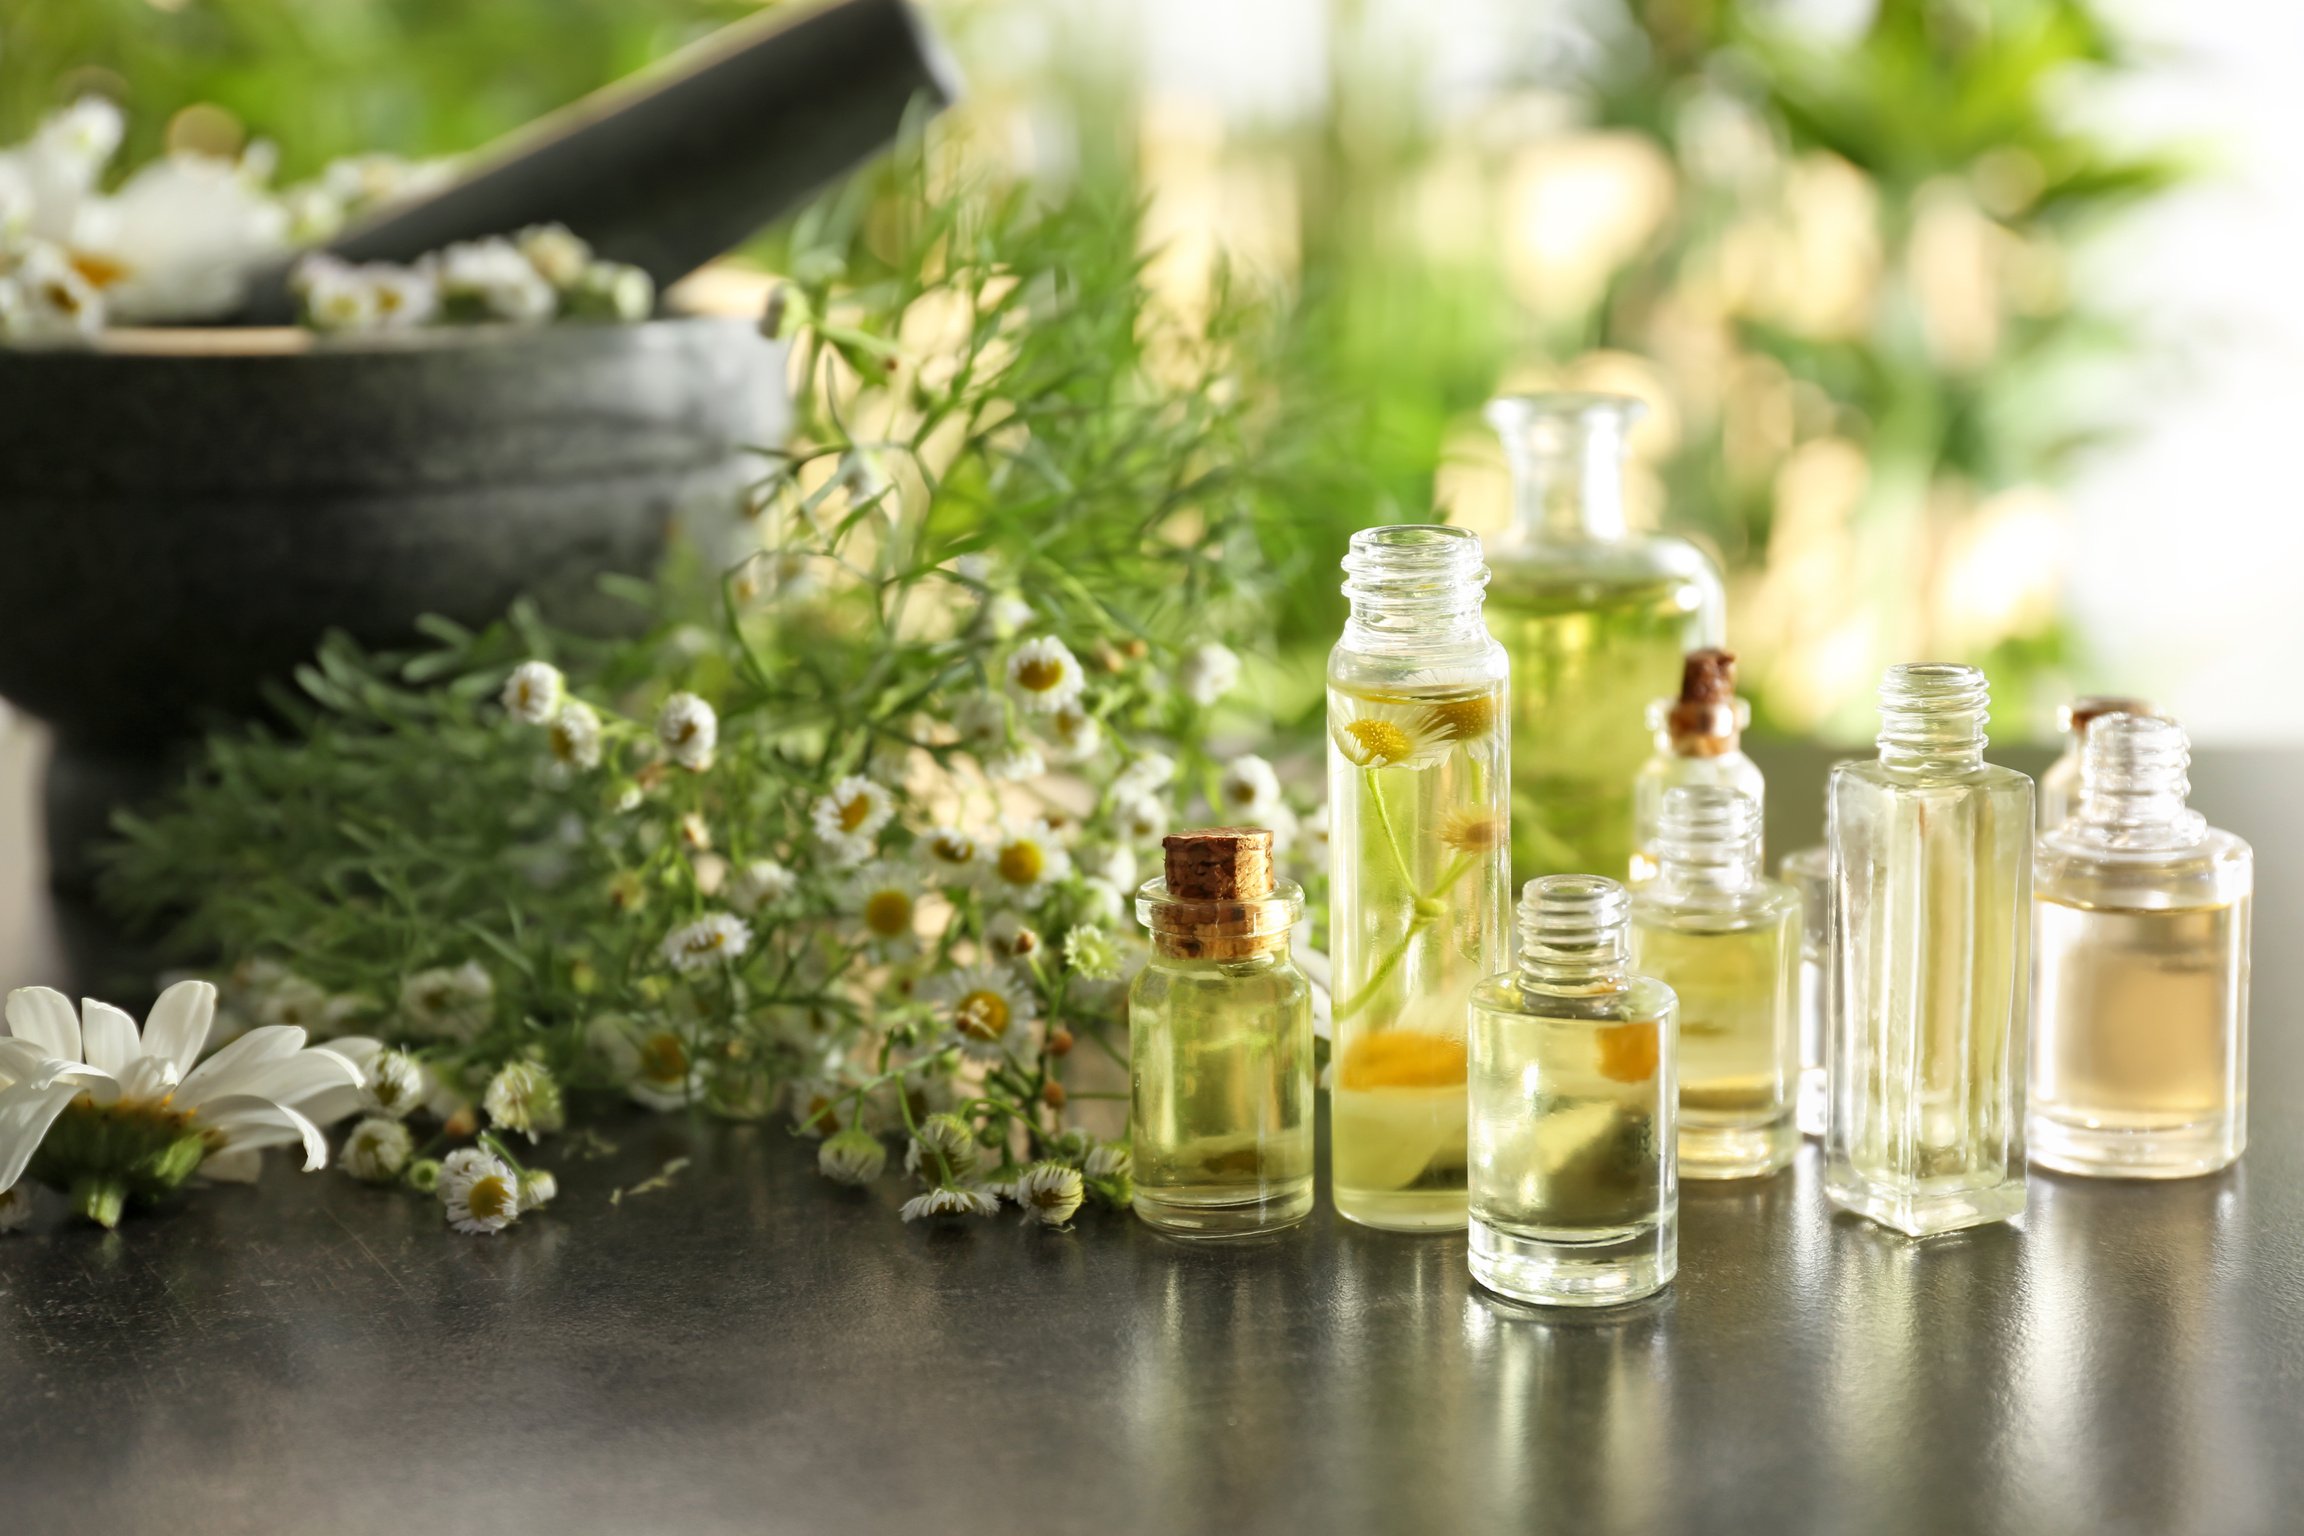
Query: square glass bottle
1726,940
1932,895
1574,1190
2140,1052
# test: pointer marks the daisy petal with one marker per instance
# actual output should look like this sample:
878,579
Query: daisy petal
220,1073
246,1121
26,1112
20,1060
44,1016
292,1079
238,1166
107,1037
178,1025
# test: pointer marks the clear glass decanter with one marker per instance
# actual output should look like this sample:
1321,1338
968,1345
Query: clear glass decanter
1417,787
2141,910
1220,1043
1575,1194
2060,785
1596,619
1726,940
1699,739
1932,891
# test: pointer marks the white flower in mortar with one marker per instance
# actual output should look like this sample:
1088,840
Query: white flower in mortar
179,239
103,1112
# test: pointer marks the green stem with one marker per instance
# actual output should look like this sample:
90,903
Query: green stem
1391,833
100,1199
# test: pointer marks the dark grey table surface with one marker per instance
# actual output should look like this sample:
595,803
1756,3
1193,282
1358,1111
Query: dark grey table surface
752,1349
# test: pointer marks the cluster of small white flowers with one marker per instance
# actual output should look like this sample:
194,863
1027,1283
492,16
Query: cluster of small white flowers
536,693
540,274
689,730
762,884
524,1097
707,942
1207,673
1250,791
848,818
448,1002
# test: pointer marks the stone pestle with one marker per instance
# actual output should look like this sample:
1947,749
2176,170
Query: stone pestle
683,161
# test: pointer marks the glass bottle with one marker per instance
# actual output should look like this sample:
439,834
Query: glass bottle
2060,785
1809,872
1932,891
1220,1043
1698,740
1596,619
2140,1068
1575,1194
1417,787
1726,940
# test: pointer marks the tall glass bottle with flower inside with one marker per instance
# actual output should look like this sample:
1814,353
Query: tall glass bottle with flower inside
1417,786
1932,892
1596,619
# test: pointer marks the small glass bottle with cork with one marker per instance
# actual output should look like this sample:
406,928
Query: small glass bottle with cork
2060,785
1699,740
1220,1043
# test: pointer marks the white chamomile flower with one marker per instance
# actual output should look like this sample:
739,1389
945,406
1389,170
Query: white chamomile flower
538,1188
820,1107
15,1205
524,1097
1072,734
1010,937
1006,614
1020,764
950,1202
1248,791
852,1156
1107,1159
1142,818
761,884
401,298
1044,675
1388,733
884,900
377,1150
1049,1192
987,1007
490,280
1090,953
653,1064
689,730
534,691
1313,832
981,722
855,807
700,945
1152,772
574,735
1207,673
943,1150
558,256
393,1084
448,1002
479,1190
1026,860
953,856
336,297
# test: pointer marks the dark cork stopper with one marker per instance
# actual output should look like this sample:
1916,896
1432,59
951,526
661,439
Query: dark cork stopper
1219,864
1703,718
2084,712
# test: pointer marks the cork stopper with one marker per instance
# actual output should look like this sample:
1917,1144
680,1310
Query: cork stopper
2073,719
1703,720
1219,864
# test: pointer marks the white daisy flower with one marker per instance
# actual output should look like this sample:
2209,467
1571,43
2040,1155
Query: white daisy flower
884,901
1313,831
942,1150
981,722
854,808
1142,818
820,1107
852,1156
653,1065
401,298
377,1150
761,884
1044,675
1148,774
1006,614
1073,735
558,256
843,852
1009,937
1020,764
393,1084
689,730
338,298
1249,791
1026,860
490,280
1108,1159
950,1202
15,1205
524,1097
575,737
538,1188
700,945
988,1009
1386,733
534,692
1050,1193
479,1190
1207,673
1090,952
448,1002
953,856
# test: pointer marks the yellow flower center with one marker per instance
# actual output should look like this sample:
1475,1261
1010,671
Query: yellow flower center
982,1015
1402,1058
1378,741
949,849
1021,863
492,1199
663,1058
1470,832
888,913
854,812
1465,719
1038,674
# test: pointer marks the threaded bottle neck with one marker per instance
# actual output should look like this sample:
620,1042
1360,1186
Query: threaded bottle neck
1414,586
2133,783
1573,933
1932,715
1707,839
1566,453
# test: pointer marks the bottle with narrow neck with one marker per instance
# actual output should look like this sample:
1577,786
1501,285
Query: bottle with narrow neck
1417,779
1932,889
2141,924
1574,1188
1699,739
1596,617
2060,785
1726,940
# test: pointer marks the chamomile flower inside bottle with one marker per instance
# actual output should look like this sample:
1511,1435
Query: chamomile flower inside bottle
1417,787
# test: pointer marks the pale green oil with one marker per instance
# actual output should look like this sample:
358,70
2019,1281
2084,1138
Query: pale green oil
1737,978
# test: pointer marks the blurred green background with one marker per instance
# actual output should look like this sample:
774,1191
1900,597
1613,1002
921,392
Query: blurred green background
1836,259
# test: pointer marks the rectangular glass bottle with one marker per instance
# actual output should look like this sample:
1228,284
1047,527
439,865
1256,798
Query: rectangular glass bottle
1417,837
1220,1044
2142,911
1932,889
1574,1194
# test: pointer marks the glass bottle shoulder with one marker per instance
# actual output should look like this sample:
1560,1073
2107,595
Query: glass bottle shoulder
2073,868
1639,998
1441,670
1760,904
1871,777
1273,977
